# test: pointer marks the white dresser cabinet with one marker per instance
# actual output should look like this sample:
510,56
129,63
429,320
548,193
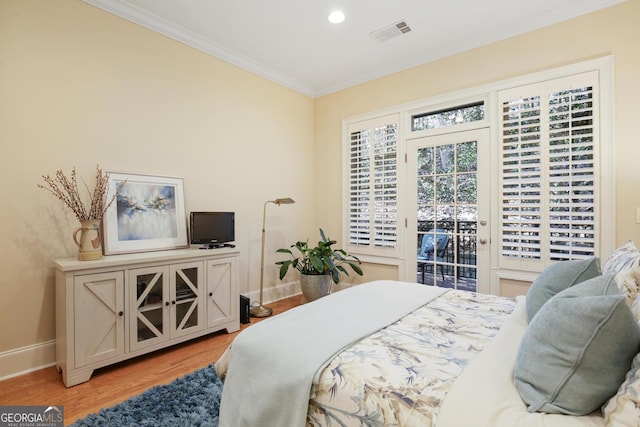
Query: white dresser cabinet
122,306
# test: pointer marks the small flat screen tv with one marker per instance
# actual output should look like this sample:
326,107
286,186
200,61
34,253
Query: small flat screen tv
212,229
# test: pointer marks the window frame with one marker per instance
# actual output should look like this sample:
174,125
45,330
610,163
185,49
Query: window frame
606,153
542,252
605,149
348,129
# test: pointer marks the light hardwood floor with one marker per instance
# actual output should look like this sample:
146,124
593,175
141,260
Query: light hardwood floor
113,384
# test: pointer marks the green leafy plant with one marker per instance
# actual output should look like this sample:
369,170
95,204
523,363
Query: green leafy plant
320,259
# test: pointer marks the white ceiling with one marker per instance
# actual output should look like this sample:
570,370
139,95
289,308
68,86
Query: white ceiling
292,43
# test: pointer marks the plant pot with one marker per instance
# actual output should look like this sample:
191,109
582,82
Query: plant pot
315,286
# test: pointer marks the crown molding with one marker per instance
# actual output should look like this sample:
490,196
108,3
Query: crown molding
141,17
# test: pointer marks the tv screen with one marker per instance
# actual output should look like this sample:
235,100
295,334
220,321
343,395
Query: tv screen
212,228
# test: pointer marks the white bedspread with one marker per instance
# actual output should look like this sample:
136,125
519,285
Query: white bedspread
485,395
259,370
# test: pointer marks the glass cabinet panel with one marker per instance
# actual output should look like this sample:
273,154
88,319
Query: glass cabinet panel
186,301
167,303
149,304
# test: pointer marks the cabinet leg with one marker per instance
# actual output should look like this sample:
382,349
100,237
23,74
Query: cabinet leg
76,377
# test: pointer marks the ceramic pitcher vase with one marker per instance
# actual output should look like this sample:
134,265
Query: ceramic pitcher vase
88,239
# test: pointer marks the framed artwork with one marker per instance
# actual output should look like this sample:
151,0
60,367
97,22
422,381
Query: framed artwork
148,214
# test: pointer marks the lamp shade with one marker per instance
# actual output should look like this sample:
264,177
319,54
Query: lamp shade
284,201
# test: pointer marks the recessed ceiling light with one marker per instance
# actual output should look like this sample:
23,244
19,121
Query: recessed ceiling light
336,17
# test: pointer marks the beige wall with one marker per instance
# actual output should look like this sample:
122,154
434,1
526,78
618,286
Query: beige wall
613,31
79,86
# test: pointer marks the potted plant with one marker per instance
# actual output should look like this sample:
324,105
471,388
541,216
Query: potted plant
318,266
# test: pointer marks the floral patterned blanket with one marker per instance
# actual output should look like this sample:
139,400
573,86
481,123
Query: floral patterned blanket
275,363
399,375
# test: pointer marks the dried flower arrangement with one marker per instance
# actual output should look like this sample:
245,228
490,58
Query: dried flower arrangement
66,190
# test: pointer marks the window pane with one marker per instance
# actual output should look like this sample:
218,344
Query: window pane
466,156
445,215
426,216
425,190
445,159
449,117
467,214
467,187
425,161
445,189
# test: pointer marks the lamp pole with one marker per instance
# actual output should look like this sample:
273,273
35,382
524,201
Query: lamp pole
261,310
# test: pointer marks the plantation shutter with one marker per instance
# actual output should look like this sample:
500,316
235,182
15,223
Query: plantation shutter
548,183
521,180
373,184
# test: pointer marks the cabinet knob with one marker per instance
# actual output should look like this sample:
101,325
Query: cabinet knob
121,313
173,302
166,303
210,294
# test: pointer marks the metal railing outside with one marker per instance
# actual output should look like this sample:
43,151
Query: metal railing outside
460,253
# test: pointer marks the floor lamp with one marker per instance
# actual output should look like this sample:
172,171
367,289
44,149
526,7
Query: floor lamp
261,310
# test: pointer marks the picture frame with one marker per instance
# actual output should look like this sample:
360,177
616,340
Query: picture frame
148,214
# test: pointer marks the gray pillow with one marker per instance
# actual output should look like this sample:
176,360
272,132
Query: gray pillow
577,350
558,277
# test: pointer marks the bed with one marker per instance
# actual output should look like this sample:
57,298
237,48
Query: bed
404,354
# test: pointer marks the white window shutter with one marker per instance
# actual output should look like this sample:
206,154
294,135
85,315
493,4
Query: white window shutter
373,185
521,184
548,183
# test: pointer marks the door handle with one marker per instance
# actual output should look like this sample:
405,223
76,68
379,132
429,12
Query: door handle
483,241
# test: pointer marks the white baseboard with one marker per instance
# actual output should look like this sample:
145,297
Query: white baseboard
286,290
27,359
275,293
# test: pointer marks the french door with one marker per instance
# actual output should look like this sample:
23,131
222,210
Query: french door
448,211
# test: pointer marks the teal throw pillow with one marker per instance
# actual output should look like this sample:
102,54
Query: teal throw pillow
577,349
558,277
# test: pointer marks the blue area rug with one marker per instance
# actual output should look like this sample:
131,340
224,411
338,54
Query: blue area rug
193,400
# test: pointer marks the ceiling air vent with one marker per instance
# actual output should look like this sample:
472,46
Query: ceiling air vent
390,31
